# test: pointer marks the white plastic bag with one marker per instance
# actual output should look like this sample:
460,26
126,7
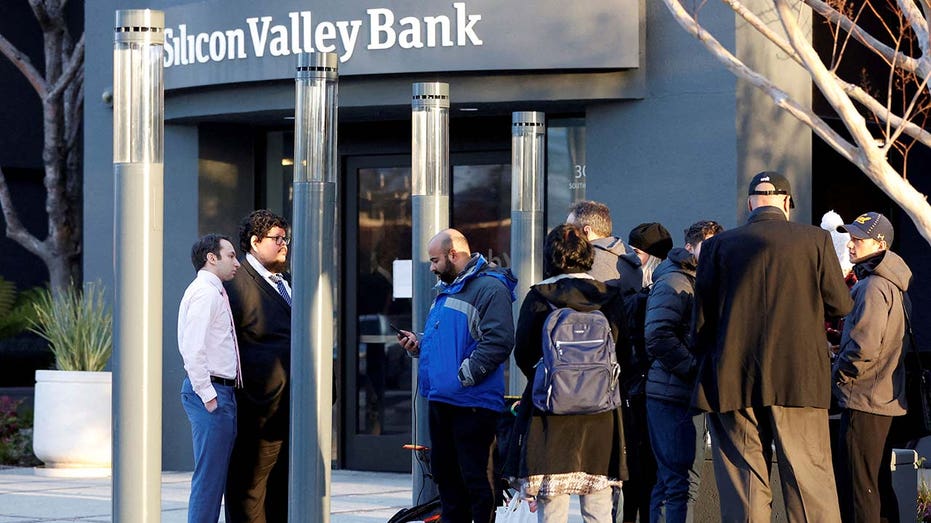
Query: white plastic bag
517,510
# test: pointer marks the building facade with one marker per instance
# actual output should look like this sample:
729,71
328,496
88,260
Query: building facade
638,116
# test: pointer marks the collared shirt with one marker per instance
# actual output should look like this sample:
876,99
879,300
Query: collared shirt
266,274
205,334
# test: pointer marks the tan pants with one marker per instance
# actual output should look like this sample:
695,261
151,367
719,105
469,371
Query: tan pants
742,449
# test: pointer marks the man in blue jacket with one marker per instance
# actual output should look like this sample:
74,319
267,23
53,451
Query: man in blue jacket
468,334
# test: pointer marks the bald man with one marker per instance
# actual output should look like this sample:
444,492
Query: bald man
468,334
762,293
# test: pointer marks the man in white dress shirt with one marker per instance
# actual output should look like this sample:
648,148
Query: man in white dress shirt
207,341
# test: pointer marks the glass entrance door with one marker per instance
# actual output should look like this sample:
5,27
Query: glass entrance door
377,371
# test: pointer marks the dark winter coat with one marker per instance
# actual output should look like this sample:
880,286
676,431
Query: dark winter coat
667,329
868,372
554,444
615,266
762,293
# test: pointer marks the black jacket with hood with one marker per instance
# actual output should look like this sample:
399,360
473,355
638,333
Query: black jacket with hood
554,444
666,332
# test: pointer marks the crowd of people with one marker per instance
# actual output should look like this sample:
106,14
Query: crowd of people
741,337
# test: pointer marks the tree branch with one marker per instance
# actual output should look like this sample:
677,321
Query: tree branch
917,22
781,99
907,62
74,67
24,64
14,228
41,12
855,92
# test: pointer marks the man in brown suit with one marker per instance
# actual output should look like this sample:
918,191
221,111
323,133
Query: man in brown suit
763,292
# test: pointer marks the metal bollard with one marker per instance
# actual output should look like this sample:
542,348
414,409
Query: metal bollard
904,466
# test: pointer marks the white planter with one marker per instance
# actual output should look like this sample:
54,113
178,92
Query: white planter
72,426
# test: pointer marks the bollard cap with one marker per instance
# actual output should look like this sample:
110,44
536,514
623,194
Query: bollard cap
430,94
145,26
528,121
317,65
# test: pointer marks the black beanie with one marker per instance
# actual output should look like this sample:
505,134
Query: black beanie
651,238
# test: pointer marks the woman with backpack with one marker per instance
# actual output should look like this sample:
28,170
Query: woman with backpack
566,454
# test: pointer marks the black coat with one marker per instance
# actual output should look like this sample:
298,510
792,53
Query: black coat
553,444
263,330
667,329
762,294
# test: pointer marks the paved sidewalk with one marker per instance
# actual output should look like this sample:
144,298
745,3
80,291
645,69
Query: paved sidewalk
355,497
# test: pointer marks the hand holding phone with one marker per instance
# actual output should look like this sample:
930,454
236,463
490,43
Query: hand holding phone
408,340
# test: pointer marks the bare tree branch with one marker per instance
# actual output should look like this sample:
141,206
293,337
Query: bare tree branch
781,99
41,12
75,66
24,64
869,158
908,63
60,89
14,228
917,22
883,113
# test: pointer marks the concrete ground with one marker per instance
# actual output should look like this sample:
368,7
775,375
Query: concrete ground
355,497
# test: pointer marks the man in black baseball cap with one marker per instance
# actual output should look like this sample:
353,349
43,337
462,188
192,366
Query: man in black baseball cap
762,293
780,183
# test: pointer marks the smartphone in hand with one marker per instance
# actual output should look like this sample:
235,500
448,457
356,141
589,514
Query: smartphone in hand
395,329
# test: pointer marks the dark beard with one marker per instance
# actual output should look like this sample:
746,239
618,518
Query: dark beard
446,277
276,267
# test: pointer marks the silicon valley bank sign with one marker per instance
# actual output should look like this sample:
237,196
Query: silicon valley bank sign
229,41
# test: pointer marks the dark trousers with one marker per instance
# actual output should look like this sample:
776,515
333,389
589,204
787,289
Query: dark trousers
641,465
677,434
462,443
863,464
257,484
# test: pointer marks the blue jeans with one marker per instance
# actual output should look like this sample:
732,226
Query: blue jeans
678,439
213,436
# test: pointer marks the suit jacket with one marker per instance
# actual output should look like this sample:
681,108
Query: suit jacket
762,294
263,330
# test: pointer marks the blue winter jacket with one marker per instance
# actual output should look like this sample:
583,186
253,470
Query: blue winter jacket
470,318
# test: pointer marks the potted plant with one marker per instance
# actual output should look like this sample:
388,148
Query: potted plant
72,425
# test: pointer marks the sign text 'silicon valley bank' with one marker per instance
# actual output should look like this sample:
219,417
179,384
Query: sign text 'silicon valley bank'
264,35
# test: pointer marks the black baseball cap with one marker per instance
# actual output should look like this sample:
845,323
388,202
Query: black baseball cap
870,225
779,182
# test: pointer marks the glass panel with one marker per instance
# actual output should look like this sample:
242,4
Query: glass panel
565,167
482,209
383,383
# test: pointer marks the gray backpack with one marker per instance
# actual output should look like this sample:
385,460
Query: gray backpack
579,372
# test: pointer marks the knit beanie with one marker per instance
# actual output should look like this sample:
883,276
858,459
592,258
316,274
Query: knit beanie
651,238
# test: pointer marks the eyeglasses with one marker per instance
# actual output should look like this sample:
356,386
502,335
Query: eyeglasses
280,240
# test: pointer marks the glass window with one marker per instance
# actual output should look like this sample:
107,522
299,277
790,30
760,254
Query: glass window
565,167
482,209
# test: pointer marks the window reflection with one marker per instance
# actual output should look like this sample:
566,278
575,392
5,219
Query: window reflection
383,379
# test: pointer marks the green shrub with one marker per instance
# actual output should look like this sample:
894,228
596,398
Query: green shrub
78,326
16,308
